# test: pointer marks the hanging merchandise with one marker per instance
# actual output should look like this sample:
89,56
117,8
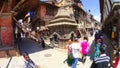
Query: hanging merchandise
114,32
114,28
113,35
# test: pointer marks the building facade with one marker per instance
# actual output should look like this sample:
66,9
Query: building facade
110,18
84,19
46,12
80,16
10,12
6,29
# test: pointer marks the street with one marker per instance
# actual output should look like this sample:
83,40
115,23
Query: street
46,58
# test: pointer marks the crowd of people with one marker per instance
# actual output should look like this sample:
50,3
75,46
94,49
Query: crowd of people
76,47
74,50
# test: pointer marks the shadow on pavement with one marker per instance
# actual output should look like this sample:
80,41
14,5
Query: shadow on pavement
30,46
91,52
80,59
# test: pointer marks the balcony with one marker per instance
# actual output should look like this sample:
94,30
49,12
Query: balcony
115,0
116,4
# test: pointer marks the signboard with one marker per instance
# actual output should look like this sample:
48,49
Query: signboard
3,28
114,29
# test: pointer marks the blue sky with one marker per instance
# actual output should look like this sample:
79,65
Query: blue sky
93,6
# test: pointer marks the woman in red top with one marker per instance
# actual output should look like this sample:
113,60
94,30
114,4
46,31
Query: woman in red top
117,60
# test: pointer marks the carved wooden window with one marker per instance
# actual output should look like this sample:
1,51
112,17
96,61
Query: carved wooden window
50,11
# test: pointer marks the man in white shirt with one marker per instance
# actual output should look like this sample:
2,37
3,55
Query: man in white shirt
28,63
75,48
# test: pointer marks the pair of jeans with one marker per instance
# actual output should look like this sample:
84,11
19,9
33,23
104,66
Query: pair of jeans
74,63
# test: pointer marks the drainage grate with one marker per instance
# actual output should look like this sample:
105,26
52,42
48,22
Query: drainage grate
47,55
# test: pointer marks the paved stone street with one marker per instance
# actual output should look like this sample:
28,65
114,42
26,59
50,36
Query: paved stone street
46,58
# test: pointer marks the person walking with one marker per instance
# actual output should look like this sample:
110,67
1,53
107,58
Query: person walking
28,63
75,48
103,60
96,37
97,49
69,58
85,48
72,37
43,42
91,32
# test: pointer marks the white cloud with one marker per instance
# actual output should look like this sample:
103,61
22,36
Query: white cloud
97,18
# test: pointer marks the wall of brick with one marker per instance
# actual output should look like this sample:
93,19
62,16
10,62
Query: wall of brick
42,13
6,30
2,54
8,53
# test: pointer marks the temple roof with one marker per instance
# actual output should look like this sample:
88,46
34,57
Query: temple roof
62,19
62,23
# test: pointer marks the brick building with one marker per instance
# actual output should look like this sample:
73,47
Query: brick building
10,12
